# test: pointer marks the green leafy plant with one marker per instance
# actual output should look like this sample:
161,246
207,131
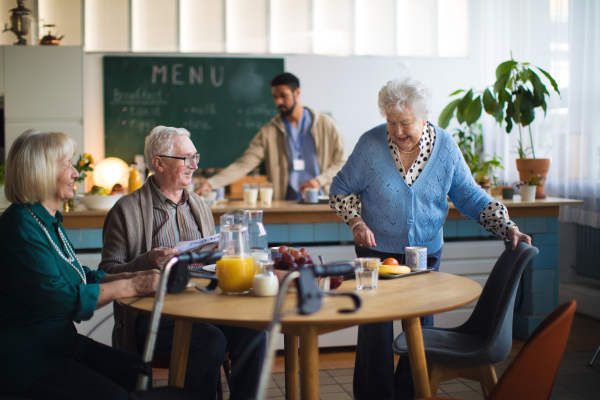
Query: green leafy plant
515,95
2,173
533,181
83,165
470,142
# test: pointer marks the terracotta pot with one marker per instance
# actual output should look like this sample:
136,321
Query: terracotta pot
539,166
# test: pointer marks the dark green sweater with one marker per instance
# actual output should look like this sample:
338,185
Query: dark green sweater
40,297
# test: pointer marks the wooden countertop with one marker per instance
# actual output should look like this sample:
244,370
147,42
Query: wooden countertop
282,212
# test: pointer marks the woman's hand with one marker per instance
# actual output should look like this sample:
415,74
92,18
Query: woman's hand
144,283
127,284
363,236
516,236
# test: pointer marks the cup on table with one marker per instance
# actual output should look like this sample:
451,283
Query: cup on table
275,252
209,198
366,270
266,193
220,191
416,258
250,194
311,195
259,255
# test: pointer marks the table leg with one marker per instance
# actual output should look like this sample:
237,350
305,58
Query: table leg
291,366
416,355
179,352
309,364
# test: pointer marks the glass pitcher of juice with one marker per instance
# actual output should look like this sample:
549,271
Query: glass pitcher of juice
235,270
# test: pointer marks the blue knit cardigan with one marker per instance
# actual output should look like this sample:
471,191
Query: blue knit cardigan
400,215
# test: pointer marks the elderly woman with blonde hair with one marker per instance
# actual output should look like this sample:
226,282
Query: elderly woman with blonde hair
393,193
44,288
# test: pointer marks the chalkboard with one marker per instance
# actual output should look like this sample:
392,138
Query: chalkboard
223,102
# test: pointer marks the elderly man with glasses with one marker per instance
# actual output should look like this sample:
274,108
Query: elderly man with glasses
140,233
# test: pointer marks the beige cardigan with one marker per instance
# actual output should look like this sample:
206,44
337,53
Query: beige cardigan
127,239
269,145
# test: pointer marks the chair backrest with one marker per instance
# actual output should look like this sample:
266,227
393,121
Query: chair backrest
493,314
531,375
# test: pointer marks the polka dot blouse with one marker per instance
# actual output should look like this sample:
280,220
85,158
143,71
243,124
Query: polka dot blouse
493,218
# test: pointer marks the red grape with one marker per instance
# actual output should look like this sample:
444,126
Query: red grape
335,282
303,250
283,249
296,254
302,261
288,258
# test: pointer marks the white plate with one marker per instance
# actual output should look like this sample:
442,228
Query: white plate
210,268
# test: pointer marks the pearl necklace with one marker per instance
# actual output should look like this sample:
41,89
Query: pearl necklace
408,152
70,252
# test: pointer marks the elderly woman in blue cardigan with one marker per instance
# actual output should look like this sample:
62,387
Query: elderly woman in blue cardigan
393,193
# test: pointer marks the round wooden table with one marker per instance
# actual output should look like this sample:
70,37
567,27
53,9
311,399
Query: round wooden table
406,298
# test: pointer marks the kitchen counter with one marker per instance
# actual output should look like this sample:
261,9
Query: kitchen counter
289,212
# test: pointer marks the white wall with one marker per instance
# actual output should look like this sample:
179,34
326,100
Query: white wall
345,87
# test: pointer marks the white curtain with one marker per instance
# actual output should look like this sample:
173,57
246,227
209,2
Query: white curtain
563,38
579,173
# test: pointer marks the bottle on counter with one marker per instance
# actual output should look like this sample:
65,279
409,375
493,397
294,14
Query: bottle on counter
135,178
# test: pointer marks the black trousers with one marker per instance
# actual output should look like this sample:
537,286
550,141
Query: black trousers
374,377
208,346
102,373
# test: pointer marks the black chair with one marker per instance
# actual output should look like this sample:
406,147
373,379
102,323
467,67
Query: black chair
470,350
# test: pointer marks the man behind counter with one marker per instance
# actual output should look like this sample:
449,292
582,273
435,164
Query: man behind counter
301,148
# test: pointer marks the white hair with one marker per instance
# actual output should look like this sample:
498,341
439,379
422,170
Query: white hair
160,142
398,94
32,165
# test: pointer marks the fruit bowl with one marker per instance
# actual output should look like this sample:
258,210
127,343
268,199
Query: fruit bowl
100,203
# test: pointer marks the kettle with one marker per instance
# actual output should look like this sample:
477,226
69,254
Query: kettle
50,39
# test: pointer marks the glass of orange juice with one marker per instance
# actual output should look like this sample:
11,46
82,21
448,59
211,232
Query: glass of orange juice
235,274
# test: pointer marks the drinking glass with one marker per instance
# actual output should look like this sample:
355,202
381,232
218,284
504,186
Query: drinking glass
266,193
250,194
366,271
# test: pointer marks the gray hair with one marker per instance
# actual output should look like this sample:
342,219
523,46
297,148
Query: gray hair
160,142
32,165
398,94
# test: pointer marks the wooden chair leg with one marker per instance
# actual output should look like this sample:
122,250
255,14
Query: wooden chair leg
488,379
435,377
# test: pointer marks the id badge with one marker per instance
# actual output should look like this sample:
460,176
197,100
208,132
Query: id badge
299,165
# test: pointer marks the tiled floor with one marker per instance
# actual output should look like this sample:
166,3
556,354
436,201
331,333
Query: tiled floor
575,381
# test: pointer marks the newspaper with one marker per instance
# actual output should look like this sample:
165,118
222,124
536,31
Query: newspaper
204,244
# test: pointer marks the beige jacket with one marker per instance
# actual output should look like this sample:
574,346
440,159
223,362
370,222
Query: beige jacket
127,239
269,145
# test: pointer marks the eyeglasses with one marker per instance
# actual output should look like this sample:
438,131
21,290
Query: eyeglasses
187,160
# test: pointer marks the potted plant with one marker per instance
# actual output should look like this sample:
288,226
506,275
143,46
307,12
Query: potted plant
528,187
514,97
470,142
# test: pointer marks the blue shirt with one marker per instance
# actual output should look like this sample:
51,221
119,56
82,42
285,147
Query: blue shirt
300,145
400,215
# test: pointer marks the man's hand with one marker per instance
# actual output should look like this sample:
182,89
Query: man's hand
159,255
310,184
516,236
205,187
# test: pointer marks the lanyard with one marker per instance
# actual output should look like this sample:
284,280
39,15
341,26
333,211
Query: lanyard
297,145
